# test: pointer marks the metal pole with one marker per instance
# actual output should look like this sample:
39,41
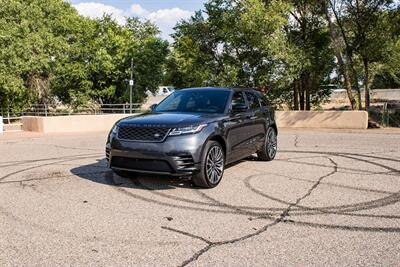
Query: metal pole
131,85
8,115
385,115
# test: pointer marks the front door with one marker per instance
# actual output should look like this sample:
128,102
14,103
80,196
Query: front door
238,130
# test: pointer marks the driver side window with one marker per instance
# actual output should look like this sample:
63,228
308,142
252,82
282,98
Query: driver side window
238,98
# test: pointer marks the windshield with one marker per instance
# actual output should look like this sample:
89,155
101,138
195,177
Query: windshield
195,101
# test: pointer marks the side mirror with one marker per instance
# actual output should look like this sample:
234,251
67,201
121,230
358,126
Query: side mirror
152,107
238,108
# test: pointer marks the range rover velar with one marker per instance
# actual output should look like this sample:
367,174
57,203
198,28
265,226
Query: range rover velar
194,132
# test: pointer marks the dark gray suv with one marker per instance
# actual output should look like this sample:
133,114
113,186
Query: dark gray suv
194,132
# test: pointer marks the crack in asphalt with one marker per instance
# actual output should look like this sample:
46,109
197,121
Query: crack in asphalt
335,168
281,218
187,234
296,141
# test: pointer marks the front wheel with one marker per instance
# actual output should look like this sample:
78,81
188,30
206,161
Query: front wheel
212,166
268,150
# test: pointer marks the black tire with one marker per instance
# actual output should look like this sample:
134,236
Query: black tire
270,146
124,174
211,167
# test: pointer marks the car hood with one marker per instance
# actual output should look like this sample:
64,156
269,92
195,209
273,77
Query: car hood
169,119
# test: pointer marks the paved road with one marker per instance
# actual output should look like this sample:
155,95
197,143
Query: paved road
330,198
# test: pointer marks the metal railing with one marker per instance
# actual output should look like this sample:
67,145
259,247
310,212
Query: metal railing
386,114
58,110
390,115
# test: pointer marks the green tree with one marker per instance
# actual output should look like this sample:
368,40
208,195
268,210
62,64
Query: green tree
32,35
100,63
233,44
364,38
49,53
254,43
308,32
385,72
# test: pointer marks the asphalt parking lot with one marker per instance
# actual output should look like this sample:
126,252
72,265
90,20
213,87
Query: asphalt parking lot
330,198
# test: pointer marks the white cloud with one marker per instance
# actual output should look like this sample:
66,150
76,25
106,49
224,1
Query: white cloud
169,16
165,19
97,10
138,10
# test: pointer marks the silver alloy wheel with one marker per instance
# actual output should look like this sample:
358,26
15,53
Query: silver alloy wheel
215,164
272,143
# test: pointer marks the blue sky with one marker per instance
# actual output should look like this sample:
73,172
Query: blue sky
164,13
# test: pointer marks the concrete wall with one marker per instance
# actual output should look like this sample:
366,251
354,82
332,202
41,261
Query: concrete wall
376,94
322,119
289,119
74,123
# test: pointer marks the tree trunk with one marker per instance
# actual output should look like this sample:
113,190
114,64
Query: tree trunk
366,83
355,79
338,54
307,91
301,96
301,92
296,95
349,54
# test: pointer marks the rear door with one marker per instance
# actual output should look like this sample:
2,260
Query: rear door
257,117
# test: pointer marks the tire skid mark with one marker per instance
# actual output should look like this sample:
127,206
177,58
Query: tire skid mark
390,199
342,168
154,201
346,227
278,220
74,148
211,203
351,156
326,183
40,227
61,160
235,209
51,177
46,159
325,212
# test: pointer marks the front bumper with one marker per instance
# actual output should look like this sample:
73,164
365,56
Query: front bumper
177,155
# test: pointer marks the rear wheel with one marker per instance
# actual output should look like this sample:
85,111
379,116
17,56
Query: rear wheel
268,150
211,167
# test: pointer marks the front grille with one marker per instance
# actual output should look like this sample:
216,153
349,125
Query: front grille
147,134
141,164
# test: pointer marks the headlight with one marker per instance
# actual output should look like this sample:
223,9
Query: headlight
114,129
188,130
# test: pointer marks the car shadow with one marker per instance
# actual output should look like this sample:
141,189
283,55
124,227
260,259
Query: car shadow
99,172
